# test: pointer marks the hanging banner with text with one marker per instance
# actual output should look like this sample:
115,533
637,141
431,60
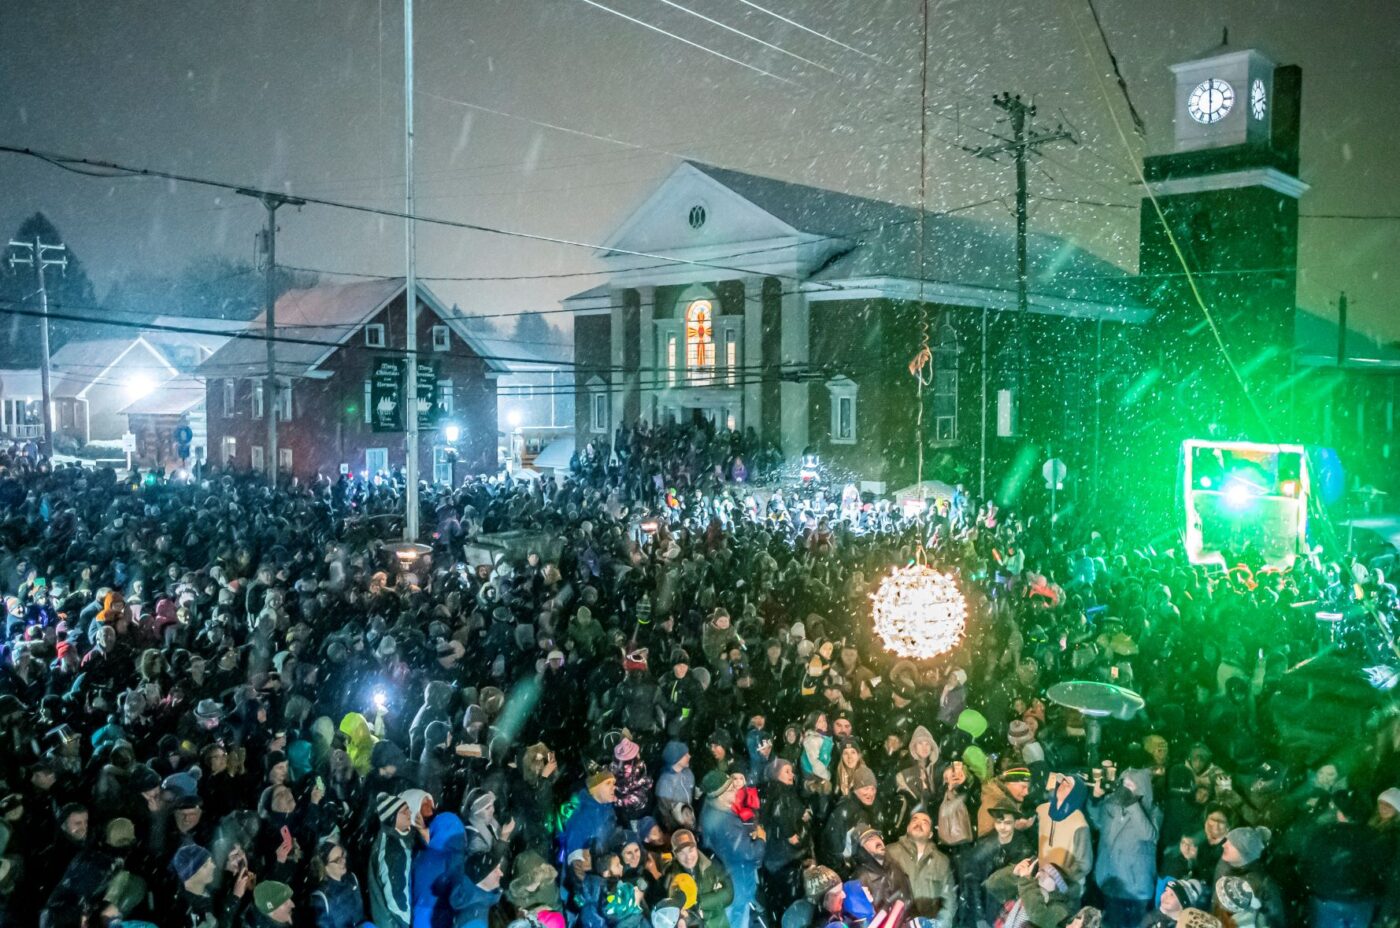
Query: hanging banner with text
387,395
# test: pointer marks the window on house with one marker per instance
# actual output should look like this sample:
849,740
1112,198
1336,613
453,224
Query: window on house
600,412
447,397
230,387
700,340
228,449
672,357
442,338
258,463
843,410
731,355
374,336
257,399
945,385
1006,413
369,393
284,402
376,461
284,459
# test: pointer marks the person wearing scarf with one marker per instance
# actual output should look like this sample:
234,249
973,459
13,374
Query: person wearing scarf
1062,825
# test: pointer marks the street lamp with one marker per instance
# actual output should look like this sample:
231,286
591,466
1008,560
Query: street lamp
452,432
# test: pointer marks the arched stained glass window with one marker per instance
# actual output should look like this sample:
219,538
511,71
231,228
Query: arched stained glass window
700,339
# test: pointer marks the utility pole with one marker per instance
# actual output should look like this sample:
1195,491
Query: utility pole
1023,142
410,523
271,202
35,254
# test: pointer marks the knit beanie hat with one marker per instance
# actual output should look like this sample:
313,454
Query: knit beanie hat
271,895
387,807
1190,893
120,833
1391,797
817,881
863,777
1090,917
1196,918
1235,895
598,778
714,783
188,860
480,865
1250,842
675,750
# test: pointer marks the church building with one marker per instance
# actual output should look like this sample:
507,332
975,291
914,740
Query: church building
795,311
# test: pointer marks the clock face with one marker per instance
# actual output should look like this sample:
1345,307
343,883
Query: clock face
1258,99
1210,101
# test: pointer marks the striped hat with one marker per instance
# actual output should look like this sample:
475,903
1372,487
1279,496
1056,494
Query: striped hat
387,807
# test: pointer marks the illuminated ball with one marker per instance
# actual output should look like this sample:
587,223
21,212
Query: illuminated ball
919,613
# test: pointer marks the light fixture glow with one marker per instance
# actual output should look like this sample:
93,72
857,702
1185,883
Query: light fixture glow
139,385
1237,494
452,432
514,418
919,612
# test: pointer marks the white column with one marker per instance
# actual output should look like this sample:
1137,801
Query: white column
650,373
617,377
753,354
793,416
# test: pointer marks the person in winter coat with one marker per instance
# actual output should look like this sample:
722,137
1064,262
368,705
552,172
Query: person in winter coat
738,845
1126,866
1033,895
1008,791
917,783
633,780
933,890
1062,824
675,787
534,884
884,882
436,707
1243,858
855,811
391,865
704,881
591,815
484,833
360,739
1345,865
336,901
1005,846
445,853
533,800
787,823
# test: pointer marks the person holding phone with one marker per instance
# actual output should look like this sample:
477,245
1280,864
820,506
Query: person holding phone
1063,825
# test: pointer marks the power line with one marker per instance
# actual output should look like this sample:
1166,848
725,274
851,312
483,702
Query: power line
821,35
682,39
67,163
740,32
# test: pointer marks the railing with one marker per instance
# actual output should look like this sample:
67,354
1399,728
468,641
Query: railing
23,431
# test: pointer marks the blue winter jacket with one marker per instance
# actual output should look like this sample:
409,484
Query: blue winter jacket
446,852
338,903
590,825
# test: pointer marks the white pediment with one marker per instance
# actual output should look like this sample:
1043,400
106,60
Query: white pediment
692,211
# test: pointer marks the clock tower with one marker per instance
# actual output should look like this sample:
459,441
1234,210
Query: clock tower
1228,192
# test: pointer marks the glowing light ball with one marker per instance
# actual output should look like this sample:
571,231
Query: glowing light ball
919,612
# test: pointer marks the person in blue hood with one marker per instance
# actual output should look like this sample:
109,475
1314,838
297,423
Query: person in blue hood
452,889
1063,824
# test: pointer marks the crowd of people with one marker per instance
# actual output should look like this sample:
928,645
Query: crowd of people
225,703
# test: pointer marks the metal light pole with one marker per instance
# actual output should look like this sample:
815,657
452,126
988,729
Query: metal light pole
410,525
38,259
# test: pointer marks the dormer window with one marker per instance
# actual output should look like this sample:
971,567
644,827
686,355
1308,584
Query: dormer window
374,336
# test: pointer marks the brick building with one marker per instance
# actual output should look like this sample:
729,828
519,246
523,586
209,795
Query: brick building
335,335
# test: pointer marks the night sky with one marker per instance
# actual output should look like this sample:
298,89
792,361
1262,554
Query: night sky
306,97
